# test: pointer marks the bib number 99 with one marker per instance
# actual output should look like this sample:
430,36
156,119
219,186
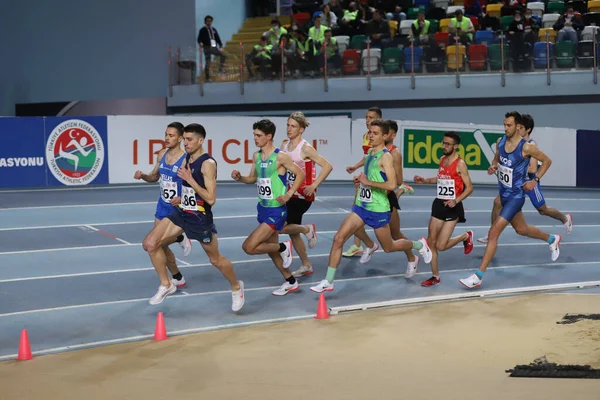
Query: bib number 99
264,191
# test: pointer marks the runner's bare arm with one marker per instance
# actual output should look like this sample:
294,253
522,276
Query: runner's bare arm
251,177
420,180
209,171
326,168
531,150
463,171
356,166
387,166
533,163
397,159
153,176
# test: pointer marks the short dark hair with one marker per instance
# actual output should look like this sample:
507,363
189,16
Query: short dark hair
527,122
207,17
453,135
197,129
376,110
515,115
384,125
393,125
178,126
266,126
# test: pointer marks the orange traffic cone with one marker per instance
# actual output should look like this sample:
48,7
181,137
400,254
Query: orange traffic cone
24,347
322,312
160,332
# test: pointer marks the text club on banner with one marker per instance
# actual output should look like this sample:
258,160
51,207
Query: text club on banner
76,151
22,152
135,141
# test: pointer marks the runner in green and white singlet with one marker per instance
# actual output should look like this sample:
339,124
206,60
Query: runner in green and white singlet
371,207
269,172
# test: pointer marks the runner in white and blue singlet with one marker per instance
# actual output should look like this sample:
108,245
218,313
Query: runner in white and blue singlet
513,154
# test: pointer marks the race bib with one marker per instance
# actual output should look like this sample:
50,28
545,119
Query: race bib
188,199
264,188
365,194
505,176
168,190
291,179
446,189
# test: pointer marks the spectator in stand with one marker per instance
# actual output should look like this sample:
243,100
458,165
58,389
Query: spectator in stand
379,31
489,23
329,17
461,27
364,16
421,30
261,56
516,32
289,55
209,38
305,53
396,15
336,8
275,32
317,32
348,22
333,54
510,6
473,8
531,28
568,26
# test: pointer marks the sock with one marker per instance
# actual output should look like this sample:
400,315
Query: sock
479,274
417,245
282,247
436,276
330,274
178,276
551,239
291,280
179,239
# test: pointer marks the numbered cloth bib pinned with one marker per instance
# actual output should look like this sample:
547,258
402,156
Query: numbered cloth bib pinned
505,176
265,192
291,179
365,194
188,199
446,189
168,190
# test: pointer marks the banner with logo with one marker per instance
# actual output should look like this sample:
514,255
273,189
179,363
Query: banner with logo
135,141
22,156
76,151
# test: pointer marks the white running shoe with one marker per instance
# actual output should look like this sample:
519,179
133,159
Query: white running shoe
471,282
179,282
483,240
237,298
286,288
569,224
366,256
302,271
323,286
186,245
311,236
287,255
425,251
555,247
411,269
162,293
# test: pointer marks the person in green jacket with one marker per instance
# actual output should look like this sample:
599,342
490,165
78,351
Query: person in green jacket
261,56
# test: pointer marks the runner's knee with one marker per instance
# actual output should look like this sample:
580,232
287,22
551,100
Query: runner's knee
338,240
522,230
151,244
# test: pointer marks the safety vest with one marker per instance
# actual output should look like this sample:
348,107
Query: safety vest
263,51
425,30
350,15
463,25
317,36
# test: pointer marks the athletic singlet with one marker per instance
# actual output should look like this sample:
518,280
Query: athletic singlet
269,183
366,144
370,198
512,170
307,166
450,184
532,175
170,183
191,202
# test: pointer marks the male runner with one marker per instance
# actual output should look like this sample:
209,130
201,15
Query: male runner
269,174
453,187
194,217
306,157
371,207
168,162
535,196
514,154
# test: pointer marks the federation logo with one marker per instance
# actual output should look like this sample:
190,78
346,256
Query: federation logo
75,152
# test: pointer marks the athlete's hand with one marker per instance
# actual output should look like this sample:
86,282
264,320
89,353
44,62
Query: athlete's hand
362,178
310,190
185,173
235,175
492,169
529,185
450,203
138,175
418,179
283,199
175,201
350,169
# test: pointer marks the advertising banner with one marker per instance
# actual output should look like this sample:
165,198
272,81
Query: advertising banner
76,151
135,141
22,152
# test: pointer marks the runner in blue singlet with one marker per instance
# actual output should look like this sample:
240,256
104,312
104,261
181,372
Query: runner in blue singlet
513,154
168,162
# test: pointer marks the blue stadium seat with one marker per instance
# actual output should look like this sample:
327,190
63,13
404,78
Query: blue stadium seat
540,58
486,37
407,59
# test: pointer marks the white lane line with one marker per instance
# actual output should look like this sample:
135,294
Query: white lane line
107,234
181,261
517,266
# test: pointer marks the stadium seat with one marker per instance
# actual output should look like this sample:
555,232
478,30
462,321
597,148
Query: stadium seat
593,6
351,62
542,35
542,52
585,54
434,25
371,60
436,13
588,33
413,12
435,59
486,37
406,27
565,54
494,10
302,18
478,57
442,38
393,28
444,24
591,18
453,61
451,11
475,22
440,4
506,21
408,59
536,8
578,6
343,42
557,7
392,59
424,4
358,42
495,57
548,20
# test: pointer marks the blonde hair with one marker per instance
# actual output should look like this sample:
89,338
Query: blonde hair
299,117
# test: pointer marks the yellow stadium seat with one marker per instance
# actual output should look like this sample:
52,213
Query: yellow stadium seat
493,10
594,6
452,60
444,23
542,35
393,28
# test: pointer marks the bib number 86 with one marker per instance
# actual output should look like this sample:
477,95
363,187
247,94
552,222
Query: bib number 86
188,201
